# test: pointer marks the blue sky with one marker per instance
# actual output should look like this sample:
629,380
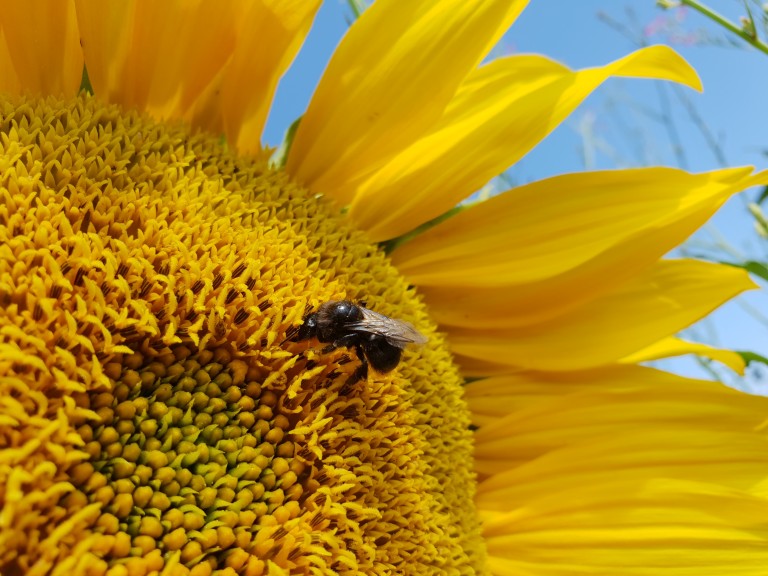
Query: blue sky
619,125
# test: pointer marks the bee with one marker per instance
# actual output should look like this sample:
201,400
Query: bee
378,340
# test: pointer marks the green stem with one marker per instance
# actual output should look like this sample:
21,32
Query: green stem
357,7
725,23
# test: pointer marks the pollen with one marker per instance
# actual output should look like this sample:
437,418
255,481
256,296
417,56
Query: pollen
154,412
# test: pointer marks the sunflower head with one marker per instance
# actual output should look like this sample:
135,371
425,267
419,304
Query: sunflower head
159,415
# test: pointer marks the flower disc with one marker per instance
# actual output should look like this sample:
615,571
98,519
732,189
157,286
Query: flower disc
153,414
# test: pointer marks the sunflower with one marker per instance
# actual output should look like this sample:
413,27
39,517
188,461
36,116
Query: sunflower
156,414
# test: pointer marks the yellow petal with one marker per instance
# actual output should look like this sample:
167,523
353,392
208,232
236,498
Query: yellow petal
499,114
496,397
538,250
388,82
651,472
156,56
669,347
238,104
9,80
544,411
633,528
43,46
658,303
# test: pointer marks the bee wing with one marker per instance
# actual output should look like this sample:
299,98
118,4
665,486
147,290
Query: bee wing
397,332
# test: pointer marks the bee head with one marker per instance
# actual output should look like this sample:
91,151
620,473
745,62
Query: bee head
308,329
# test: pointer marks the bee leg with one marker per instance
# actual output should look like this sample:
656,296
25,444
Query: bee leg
360,373
362,370
344,342
328,349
